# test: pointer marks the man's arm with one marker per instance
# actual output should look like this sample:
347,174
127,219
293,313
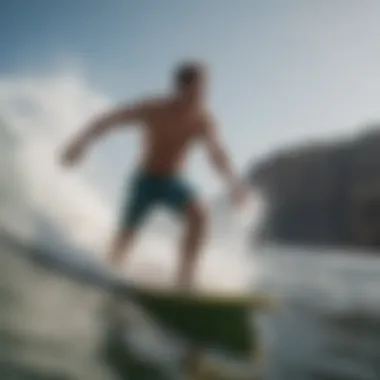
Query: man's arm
102,125
220,158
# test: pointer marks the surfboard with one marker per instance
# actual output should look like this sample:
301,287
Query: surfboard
207,319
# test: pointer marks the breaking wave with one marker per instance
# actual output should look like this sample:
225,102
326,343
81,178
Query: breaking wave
42,203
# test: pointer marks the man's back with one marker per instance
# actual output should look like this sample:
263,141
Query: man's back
170,129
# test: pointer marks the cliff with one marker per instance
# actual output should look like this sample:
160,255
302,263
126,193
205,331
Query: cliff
323,193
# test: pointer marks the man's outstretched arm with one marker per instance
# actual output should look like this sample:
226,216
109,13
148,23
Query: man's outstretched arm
220,159
100,126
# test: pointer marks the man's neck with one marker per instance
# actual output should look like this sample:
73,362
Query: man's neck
187,105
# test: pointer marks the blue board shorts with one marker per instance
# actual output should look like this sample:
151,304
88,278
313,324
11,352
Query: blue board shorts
149,190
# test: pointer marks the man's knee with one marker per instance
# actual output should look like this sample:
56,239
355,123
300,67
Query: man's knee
122,239
197,217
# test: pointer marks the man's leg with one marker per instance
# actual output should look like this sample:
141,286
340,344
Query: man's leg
191,244
179,196
121,246
133,215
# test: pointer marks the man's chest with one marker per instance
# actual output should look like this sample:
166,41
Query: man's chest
177,128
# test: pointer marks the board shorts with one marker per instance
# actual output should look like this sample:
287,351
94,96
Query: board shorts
149,190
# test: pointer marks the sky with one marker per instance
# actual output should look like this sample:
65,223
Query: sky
282,72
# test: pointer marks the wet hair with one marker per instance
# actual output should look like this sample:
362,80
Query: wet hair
187,73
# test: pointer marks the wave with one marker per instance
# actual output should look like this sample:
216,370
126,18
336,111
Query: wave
65,211
37,114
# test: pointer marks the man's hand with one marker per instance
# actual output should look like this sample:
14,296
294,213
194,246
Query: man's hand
239,195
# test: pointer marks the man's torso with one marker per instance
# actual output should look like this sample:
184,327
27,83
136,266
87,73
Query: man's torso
169,132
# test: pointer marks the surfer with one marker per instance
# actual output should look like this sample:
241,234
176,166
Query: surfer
170,126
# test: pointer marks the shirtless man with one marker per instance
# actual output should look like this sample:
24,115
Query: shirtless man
170,126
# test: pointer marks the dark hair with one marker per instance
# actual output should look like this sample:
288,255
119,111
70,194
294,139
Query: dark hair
187,73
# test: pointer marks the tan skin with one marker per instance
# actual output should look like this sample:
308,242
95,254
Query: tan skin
170,126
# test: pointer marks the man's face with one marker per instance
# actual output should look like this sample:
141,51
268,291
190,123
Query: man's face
196,91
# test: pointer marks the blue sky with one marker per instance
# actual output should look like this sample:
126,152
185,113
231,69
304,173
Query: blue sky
283,71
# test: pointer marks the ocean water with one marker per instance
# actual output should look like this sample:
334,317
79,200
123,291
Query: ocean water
54,327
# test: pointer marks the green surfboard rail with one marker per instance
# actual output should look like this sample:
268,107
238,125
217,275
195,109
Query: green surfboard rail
217,321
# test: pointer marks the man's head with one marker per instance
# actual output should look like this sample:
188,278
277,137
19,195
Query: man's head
190,81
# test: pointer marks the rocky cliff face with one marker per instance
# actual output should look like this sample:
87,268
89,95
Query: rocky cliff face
326,194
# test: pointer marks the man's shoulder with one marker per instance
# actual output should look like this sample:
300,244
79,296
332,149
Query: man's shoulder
154,103
206,118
